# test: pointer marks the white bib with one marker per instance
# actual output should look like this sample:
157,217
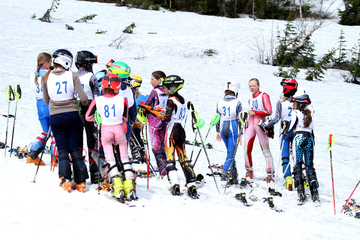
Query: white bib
61,87
85,80
256,104
162,98
128,94
37,89
110,109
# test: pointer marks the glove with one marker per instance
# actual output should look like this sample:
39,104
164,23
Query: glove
83,109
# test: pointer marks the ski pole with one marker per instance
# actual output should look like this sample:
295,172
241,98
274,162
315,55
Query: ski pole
42,153
147,152
331,141
10,96
53,159
214,121
17,94
194,120
98,121
350,196
200,124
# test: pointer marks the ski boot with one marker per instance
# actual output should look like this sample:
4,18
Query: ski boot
118,189
289,183
192,191
269,178
81,187
65,184
173,179
130,193
35,161
175,190
313,184
199,181
249,174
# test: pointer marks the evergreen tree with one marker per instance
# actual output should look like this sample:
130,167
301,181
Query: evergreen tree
341,61
317,72
354,64
351,14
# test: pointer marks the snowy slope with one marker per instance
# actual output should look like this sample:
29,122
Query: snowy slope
43,210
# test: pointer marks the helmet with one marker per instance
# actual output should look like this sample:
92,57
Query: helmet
173,82
100,75
63,57
121,69
136,81
85,59
232,86
301,97
300,91
289,86
111,81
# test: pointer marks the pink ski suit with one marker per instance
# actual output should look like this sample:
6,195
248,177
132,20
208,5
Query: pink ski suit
260,104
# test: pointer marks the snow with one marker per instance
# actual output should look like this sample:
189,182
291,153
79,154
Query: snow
174,42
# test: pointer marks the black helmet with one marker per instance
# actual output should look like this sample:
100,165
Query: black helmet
63,57
302,101
85,59
173,82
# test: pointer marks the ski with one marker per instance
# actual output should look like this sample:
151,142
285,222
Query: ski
302,198
184,191
198,144
242,198
274,193
126,202
270,201
19,152
143,174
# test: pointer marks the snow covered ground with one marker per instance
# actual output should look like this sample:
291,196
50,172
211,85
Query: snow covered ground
174,42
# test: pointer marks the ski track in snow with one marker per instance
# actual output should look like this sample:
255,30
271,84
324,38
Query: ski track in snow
42,210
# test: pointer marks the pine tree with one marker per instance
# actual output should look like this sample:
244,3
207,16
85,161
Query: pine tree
317,72
54,6
350,16
354,64
341,61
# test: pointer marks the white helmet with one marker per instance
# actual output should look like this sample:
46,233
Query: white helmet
232,86
300,92
63,57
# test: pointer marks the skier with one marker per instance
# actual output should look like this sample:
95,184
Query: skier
136,142
283,112
157,127
175,137
43,64
260,107
123,71
113,111
302,124
59,87
228,129
84,62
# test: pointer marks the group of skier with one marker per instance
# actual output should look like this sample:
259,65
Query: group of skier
295,113
69,102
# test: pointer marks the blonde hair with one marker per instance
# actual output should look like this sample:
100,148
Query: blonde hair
41,60
137,92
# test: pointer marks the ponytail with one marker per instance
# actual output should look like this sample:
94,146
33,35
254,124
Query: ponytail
46,75
41,60
308,118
